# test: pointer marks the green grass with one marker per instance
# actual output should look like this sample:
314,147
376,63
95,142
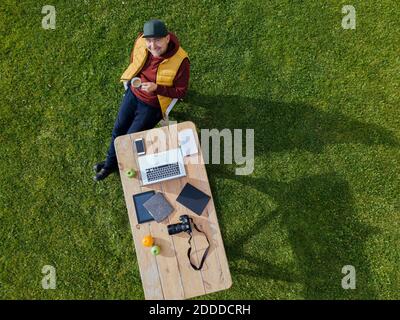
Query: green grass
324,104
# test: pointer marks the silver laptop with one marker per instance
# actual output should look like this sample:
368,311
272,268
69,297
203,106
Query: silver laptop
161,166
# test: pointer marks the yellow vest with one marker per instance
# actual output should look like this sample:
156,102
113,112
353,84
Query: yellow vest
166,71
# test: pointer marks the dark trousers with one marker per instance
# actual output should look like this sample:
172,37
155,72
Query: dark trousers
133,116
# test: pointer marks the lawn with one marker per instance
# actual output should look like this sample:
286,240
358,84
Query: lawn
324,105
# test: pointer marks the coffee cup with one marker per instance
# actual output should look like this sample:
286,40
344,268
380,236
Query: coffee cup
136,82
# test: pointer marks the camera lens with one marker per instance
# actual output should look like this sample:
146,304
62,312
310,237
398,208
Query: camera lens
175,228
179,227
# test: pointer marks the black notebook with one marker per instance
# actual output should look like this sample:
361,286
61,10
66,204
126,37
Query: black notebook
141,212
193,198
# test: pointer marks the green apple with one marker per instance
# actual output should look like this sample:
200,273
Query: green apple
155,250
131,173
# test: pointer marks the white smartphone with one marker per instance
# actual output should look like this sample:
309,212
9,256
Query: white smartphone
139,145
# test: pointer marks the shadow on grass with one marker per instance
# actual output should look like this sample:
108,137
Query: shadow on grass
323,231
317,211
280,126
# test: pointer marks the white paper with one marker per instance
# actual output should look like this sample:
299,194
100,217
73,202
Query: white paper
187,142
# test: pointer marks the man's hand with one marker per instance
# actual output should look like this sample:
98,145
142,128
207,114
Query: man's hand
149,86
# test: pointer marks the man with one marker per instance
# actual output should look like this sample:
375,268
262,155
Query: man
163,67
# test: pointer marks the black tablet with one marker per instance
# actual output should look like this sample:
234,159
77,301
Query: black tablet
193,198
141,212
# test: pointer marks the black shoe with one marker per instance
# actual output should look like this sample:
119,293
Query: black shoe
103,173
98,166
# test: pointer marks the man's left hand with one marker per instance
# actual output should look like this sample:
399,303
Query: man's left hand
149,86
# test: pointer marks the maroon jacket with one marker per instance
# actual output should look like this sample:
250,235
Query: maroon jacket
149,74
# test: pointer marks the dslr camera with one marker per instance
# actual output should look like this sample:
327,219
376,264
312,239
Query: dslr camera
184,225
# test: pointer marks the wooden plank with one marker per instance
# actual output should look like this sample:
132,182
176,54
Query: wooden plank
192,279
147,263
216,273
168,267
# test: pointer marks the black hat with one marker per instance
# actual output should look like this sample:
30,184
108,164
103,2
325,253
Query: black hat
154,29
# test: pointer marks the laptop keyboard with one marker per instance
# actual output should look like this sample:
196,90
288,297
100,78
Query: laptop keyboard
162,172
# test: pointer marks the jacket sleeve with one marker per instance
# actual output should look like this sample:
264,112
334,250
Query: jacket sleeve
134,42
181,83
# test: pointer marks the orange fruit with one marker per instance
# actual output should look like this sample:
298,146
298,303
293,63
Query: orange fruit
148,241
